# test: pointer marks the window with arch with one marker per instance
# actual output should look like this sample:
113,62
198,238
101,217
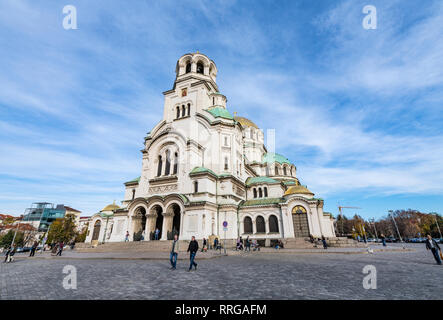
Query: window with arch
265,190
159,167
276,170
213,101
178,112
226,141
267,170
284,171
189,109
226,163
260,224
183,110
255,192
168,163
273,224
133,194
291,171
175,171
188,67
200,68
247,225
299,210
260,193
195,186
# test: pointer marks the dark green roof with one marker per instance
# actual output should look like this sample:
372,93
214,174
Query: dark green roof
220,112
289,183
258,180
260,202
202,170
136,180
275,157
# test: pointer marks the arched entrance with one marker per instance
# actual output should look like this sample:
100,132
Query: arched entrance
139,220
96,232
158,222
173,218
300,222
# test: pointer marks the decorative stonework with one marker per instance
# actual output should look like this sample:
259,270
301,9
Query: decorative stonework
161,189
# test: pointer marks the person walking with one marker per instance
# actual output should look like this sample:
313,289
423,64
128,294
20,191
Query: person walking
215,243
33,248
247,244
60,249
174,253
205,243
192,249
383,239
432,245
127,236
323,240
9,254
156,233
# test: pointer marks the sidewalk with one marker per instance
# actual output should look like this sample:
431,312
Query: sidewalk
157,255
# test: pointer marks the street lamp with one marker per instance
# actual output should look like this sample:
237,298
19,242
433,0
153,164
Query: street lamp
392,216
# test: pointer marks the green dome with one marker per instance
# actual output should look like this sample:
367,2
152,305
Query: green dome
275,157
220,112
258,180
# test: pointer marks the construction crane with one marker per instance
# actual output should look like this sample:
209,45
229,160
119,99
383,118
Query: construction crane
340,210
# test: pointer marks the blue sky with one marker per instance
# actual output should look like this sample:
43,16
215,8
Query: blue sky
358,111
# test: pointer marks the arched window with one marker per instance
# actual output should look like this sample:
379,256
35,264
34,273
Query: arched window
175,163
178,112
267,170
247,225
133,194
291,171
284,171
226,163
265,191
299,209
188,67
260,193
160,165
189,109
273,224
168,164
255,192
195,186
276,170
183,110
213,101
200,68
260,224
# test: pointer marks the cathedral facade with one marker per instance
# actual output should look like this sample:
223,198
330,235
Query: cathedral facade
206,172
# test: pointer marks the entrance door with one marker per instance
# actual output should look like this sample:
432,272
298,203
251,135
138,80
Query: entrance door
300,222
96,231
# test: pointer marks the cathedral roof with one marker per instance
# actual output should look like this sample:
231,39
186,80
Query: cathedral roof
110,207
220,112
136,180
262,202
298,190
201,170
257,180
245,122
271,157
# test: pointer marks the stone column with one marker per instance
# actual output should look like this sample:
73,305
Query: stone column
167,225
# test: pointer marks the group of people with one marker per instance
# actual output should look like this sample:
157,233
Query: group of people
315,241
247,244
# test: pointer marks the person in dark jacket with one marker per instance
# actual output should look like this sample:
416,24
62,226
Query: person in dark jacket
192,249
432,245
204,245
60,249
33,248
323,240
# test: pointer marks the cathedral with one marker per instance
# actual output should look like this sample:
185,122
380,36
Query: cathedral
208,173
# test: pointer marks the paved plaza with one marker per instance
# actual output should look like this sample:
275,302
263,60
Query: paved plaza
282,275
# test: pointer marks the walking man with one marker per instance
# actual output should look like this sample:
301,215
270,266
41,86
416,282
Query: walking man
33,248
174,253
204,245
60,249
435,248
127,236
192,249
247,244
323,240
383,239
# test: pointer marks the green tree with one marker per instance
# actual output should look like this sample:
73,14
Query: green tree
62,230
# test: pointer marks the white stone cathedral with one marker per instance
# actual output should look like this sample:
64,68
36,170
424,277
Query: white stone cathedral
203,168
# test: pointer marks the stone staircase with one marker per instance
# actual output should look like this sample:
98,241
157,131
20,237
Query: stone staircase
298,243
343,242
131,246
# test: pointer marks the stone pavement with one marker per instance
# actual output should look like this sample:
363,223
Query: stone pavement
257,275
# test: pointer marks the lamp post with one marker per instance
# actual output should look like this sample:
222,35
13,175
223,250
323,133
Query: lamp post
392,216
438,227
373,222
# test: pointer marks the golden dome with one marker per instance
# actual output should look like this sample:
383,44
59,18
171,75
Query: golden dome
298,190
245,122
110,207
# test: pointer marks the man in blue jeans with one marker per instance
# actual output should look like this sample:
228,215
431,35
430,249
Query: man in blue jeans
192,249
432,245
174,253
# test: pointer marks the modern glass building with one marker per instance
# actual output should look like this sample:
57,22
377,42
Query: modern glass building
42,214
